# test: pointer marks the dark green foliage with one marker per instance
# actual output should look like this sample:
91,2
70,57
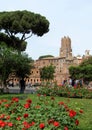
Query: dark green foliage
13,42
87,61
74,72
12,62
6,61
22,65
52,89
17,26
47,72
23,22
84,70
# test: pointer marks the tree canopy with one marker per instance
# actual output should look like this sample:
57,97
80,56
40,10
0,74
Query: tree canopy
12,62
84,70
87,61
47,72
17,26
23,64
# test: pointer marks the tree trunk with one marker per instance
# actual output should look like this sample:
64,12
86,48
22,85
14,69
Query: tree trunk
4,86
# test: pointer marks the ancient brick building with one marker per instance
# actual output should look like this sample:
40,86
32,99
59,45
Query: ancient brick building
61,63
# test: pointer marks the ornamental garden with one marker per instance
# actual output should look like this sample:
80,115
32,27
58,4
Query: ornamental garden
52,106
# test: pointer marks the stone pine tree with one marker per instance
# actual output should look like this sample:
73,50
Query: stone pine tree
17,26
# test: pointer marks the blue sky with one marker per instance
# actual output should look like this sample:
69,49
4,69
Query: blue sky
71,18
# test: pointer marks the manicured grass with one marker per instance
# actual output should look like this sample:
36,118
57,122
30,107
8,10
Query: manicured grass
74,103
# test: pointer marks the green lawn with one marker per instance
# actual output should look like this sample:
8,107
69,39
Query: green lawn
74,103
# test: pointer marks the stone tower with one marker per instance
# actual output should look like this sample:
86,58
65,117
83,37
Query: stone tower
66,50
87,53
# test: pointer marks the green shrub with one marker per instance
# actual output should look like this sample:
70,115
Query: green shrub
65,91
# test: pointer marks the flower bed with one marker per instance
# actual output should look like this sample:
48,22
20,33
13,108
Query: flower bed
46,113
66,91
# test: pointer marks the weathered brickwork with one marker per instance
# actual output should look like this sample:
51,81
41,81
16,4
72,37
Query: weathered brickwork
61,63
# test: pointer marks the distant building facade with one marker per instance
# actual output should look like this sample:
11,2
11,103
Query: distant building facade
61,63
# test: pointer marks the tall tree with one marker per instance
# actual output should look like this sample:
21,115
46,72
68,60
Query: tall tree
75,72
47,72
83,70
12,62
22,65
6,63
86,61
17,26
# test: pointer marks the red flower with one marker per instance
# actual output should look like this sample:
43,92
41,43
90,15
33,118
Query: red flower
42,125
33,123
7,105
2,116
2,123
56,123
29,101
61,103
18,118
25,122
77,122
4,100
38,95
27,105
26,125
10,124
15,99
8,117
81,111
50,121
25,115
72,113
65,128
